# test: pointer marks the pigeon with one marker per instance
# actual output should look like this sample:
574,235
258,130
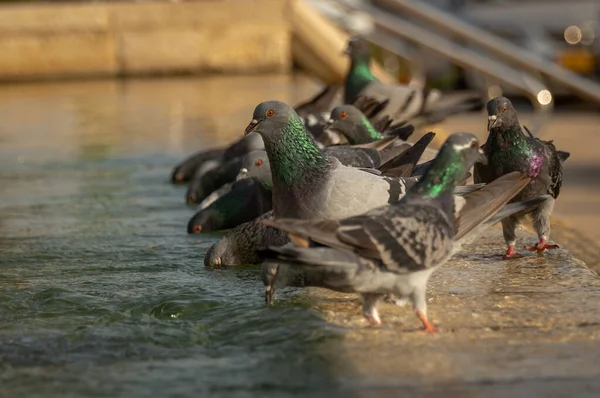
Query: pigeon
404,102
248,197
393,249
185,170
348,125
309,184
508,150
255,165
239,245
205,183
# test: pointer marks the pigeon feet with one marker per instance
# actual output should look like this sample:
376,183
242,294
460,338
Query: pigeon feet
511,253
540,247
427,326
373,318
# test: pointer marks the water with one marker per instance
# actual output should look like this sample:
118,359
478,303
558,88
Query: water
102,292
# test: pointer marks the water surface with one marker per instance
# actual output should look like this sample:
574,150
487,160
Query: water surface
102,292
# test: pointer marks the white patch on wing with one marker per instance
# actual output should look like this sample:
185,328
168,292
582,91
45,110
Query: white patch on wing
459,203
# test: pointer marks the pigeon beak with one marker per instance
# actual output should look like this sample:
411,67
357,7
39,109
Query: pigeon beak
268,294
251,126
492,121
242,174
482,158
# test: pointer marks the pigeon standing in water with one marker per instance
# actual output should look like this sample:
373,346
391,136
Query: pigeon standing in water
508,150
394,249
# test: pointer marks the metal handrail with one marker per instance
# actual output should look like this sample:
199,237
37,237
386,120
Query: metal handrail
468,58
585,88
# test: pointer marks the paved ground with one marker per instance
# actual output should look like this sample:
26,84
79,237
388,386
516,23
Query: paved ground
527,327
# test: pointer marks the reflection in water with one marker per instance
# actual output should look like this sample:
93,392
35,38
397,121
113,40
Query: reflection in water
101,290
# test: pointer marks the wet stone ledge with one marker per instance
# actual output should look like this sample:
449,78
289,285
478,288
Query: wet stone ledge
527,326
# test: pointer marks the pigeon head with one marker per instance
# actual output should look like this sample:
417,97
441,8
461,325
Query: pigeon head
458,154
346,113
255,165
291,149
358,49
203,221
270,118
501,113
352,123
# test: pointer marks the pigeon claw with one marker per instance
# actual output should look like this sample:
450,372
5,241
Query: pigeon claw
268,295
427,326
373,318
511,253
540,247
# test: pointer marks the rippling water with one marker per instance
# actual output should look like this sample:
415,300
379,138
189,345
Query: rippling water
102,293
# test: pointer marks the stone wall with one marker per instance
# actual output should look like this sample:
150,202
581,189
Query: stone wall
42,41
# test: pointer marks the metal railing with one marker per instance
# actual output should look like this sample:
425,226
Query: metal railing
532,87
505,50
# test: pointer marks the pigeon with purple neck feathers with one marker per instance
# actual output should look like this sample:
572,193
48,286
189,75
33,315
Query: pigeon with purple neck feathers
393,249
508,150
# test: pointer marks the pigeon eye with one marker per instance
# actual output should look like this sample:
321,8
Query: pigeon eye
474,144
504,108
258,163
343,115
270,112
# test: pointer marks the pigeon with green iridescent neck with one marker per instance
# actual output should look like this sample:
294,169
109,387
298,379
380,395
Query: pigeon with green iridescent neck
403,102
306,182
508,150
348,125
393,249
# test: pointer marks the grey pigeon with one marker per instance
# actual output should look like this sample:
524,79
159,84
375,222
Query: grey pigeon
205,182
239,245
393,249
508,150
403,102
248,197
348,125
254,166
185,170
